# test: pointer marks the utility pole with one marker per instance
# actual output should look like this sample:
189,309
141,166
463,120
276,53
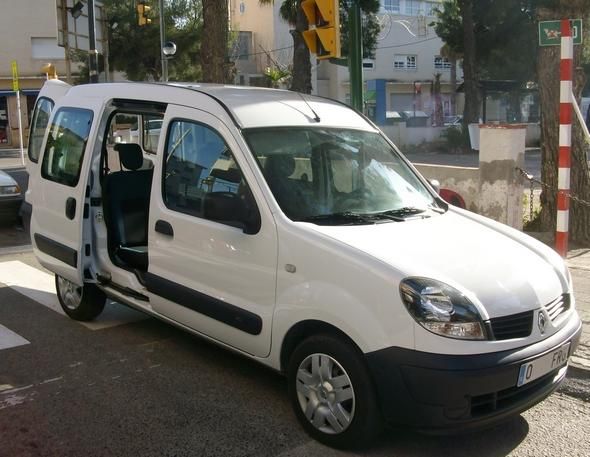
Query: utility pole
355,59
92,52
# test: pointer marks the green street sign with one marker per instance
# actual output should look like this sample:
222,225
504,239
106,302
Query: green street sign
550,32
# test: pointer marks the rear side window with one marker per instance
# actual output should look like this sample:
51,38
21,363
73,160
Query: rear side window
39,123
65,146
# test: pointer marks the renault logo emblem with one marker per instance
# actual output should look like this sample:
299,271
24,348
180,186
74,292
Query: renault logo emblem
542,322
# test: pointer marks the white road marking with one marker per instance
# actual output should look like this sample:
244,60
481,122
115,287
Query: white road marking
9,339
40,286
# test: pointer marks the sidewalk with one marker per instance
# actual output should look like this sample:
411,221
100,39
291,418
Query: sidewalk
10,158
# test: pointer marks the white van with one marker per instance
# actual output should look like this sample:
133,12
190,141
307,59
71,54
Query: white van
291,230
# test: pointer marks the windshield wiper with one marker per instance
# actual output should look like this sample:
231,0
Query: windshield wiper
403,212
407,211
346,217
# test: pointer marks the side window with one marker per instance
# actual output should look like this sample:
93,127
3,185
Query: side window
64,151
201,176
39,123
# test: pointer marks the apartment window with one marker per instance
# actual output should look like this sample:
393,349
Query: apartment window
46,48
430,8
391,6
368,64
404,62
244,45
441,63
413,7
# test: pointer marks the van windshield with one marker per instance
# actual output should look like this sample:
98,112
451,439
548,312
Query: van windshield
337,176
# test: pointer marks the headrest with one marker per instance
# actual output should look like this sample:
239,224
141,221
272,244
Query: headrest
279,166
130,155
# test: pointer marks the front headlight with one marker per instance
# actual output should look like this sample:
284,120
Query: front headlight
9,190
442,309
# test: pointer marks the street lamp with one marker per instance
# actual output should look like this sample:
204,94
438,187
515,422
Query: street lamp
76,10
168,51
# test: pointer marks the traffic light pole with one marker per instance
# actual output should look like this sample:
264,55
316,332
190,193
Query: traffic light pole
355,59
92,52
163,57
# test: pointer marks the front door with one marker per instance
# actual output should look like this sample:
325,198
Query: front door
59,198
206,270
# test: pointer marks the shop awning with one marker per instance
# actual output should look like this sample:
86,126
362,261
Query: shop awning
8,93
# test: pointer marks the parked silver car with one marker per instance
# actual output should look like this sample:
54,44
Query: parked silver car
10,198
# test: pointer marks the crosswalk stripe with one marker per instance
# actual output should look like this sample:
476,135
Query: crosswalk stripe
9,339
40,286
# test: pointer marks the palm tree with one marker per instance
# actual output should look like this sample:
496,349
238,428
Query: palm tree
215,40
292,13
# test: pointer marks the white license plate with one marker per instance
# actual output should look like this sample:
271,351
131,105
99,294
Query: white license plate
535,369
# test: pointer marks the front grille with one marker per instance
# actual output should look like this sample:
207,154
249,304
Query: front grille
513,326
482,405
558,306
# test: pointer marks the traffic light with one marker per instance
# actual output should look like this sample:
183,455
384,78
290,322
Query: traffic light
323,35
143,12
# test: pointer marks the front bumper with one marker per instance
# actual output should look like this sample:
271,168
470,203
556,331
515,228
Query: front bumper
450,393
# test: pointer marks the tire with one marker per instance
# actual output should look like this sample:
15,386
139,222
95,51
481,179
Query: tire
332,393
80,303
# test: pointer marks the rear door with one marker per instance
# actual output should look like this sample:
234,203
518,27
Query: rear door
60,206
50,94
205,271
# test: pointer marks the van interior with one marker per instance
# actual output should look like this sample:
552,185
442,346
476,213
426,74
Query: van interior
130,143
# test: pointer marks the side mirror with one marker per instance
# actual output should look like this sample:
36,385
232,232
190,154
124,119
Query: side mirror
435,184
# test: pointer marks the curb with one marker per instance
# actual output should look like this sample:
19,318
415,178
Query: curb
16,249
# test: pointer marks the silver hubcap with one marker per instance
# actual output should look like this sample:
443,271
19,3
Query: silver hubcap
70,293
325,393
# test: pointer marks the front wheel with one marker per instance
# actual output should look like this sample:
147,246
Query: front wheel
332,393
80,303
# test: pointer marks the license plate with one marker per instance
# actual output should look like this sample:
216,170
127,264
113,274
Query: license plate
535,369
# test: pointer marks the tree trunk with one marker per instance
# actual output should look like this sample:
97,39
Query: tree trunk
471,110
548,77
301,80
214,62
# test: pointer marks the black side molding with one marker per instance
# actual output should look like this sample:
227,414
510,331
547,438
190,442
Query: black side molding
227,313
61,252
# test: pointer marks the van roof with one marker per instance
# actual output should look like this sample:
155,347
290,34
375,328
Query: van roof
250,107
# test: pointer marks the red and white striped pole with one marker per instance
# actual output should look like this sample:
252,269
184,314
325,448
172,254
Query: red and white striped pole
565,137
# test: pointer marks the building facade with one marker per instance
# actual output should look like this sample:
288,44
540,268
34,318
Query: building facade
399,79
28,32
261,40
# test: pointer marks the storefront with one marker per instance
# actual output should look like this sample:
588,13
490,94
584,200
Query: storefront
9,137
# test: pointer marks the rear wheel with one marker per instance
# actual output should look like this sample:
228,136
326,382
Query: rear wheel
332,393
81,303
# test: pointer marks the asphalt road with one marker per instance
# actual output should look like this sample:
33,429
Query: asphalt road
133,386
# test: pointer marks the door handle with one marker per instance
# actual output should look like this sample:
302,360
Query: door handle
71,208
164,228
